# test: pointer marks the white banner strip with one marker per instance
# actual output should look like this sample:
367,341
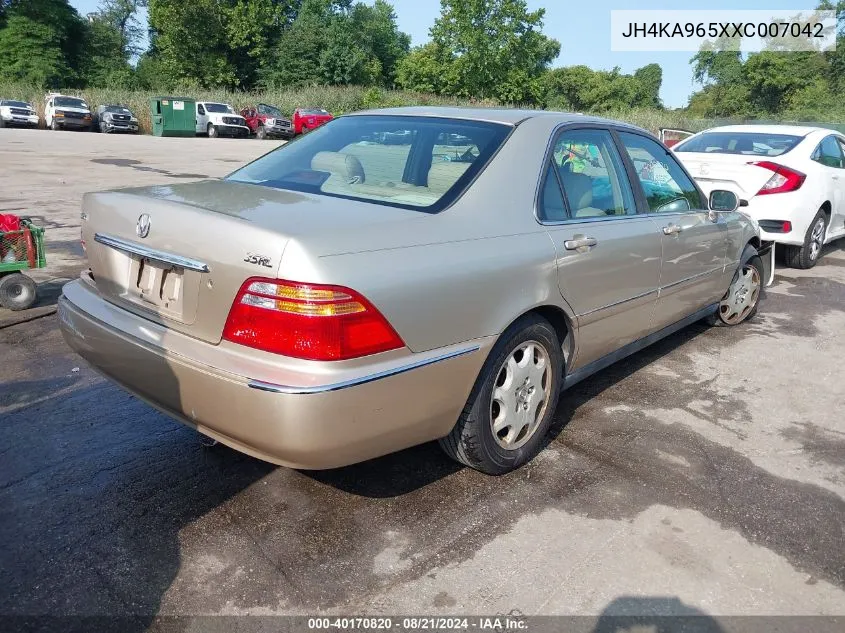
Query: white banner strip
746,31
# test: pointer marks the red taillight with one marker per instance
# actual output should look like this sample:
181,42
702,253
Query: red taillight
787,226
308,321
783,179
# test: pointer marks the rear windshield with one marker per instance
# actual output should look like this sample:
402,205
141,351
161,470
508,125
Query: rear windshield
413,162
15,104
69,102
746,143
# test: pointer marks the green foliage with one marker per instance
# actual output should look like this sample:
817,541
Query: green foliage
42,41
771,83
483,49
582,89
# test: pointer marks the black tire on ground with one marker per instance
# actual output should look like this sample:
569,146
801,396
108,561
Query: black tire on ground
54,126
807,255
472,441
2,123
103,128
17,291
305,129
260,133
212,131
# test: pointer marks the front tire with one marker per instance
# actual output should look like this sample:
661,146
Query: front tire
260,133
742,299
513,401
17,292
807,255
212,131
54,126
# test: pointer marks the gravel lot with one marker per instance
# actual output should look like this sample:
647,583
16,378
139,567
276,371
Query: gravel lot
703,475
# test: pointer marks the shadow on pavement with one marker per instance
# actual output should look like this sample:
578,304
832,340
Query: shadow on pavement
630,614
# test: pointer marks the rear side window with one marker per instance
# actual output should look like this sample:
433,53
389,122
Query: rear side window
829,153
745,143
667,188
418,163
552,207
592,175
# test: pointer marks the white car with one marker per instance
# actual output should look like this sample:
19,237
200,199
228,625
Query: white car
17,113
65,112
793,178
220,119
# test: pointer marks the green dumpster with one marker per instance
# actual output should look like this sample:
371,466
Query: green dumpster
173,116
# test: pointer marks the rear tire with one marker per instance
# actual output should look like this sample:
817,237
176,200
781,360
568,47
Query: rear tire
513,401
807,255
17,292
212,131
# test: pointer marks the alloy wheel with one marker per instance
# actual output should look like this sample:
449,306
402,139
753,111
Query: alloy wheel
817,239
742,296
521,394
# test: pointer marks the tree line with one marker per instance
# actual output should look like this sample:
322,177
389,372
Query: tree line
477,49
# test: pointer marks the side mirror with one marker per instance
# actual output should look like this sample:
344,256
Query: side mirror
723,200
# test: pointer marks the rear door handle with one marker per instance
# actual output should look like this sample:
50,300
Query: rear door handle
672,229
581,242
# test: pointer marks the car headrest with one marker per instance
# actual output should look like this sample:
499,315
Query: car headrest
442,175
579,190
345,166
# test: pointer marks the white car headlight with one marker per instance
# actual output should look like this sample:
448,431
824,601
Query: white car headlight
270,122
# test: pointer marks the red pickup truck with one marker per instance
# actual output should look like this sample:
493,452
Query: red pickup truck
305,119
266,121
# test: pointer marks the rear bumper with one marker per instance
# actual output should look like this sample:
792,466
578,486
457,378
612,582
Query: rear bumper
786,207
335,420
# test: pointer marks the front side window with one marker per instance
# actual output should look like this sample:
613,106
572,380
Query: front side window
666,186
592,175
829,153
414,162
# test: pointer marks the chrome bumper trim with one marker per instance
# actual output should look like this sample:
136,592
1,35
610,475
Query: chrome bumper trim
151,253
361,380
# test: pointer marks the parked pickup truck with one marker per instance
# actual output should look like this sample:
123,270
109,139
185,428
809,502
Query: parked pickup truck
115,118
305,119
18,113
266,121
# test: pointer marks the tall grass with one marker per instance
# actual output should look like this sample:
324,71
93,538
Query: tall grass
335,99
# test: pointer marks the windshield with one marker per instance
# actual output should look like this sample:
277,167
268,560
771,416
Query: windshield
16,104
219,107
314,111
410,162
117,110
265,109
69,102
744,143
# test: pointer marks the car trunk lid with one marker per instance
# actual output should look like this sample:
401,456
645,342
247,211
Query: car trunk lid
177,255
734,172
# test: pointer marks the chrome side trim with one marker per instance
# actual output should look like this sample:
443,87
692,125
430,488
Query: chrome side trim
151,253
720,269
361,380
616,303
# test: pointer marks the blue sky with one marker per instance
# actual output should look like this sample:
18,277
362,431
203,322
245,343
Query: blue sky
583,29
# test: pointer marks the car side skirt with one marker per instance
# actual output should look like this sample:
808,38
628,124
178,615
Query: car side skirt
631,348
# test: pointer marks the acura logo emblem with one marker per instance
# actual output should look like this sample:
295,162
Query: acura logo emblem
142,229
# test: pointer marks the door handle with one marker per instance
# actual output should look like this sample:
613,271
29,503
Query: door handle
581,242
672,229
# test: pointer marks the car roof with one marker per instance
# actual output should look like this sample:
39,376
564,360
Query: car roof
511,116
795,130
